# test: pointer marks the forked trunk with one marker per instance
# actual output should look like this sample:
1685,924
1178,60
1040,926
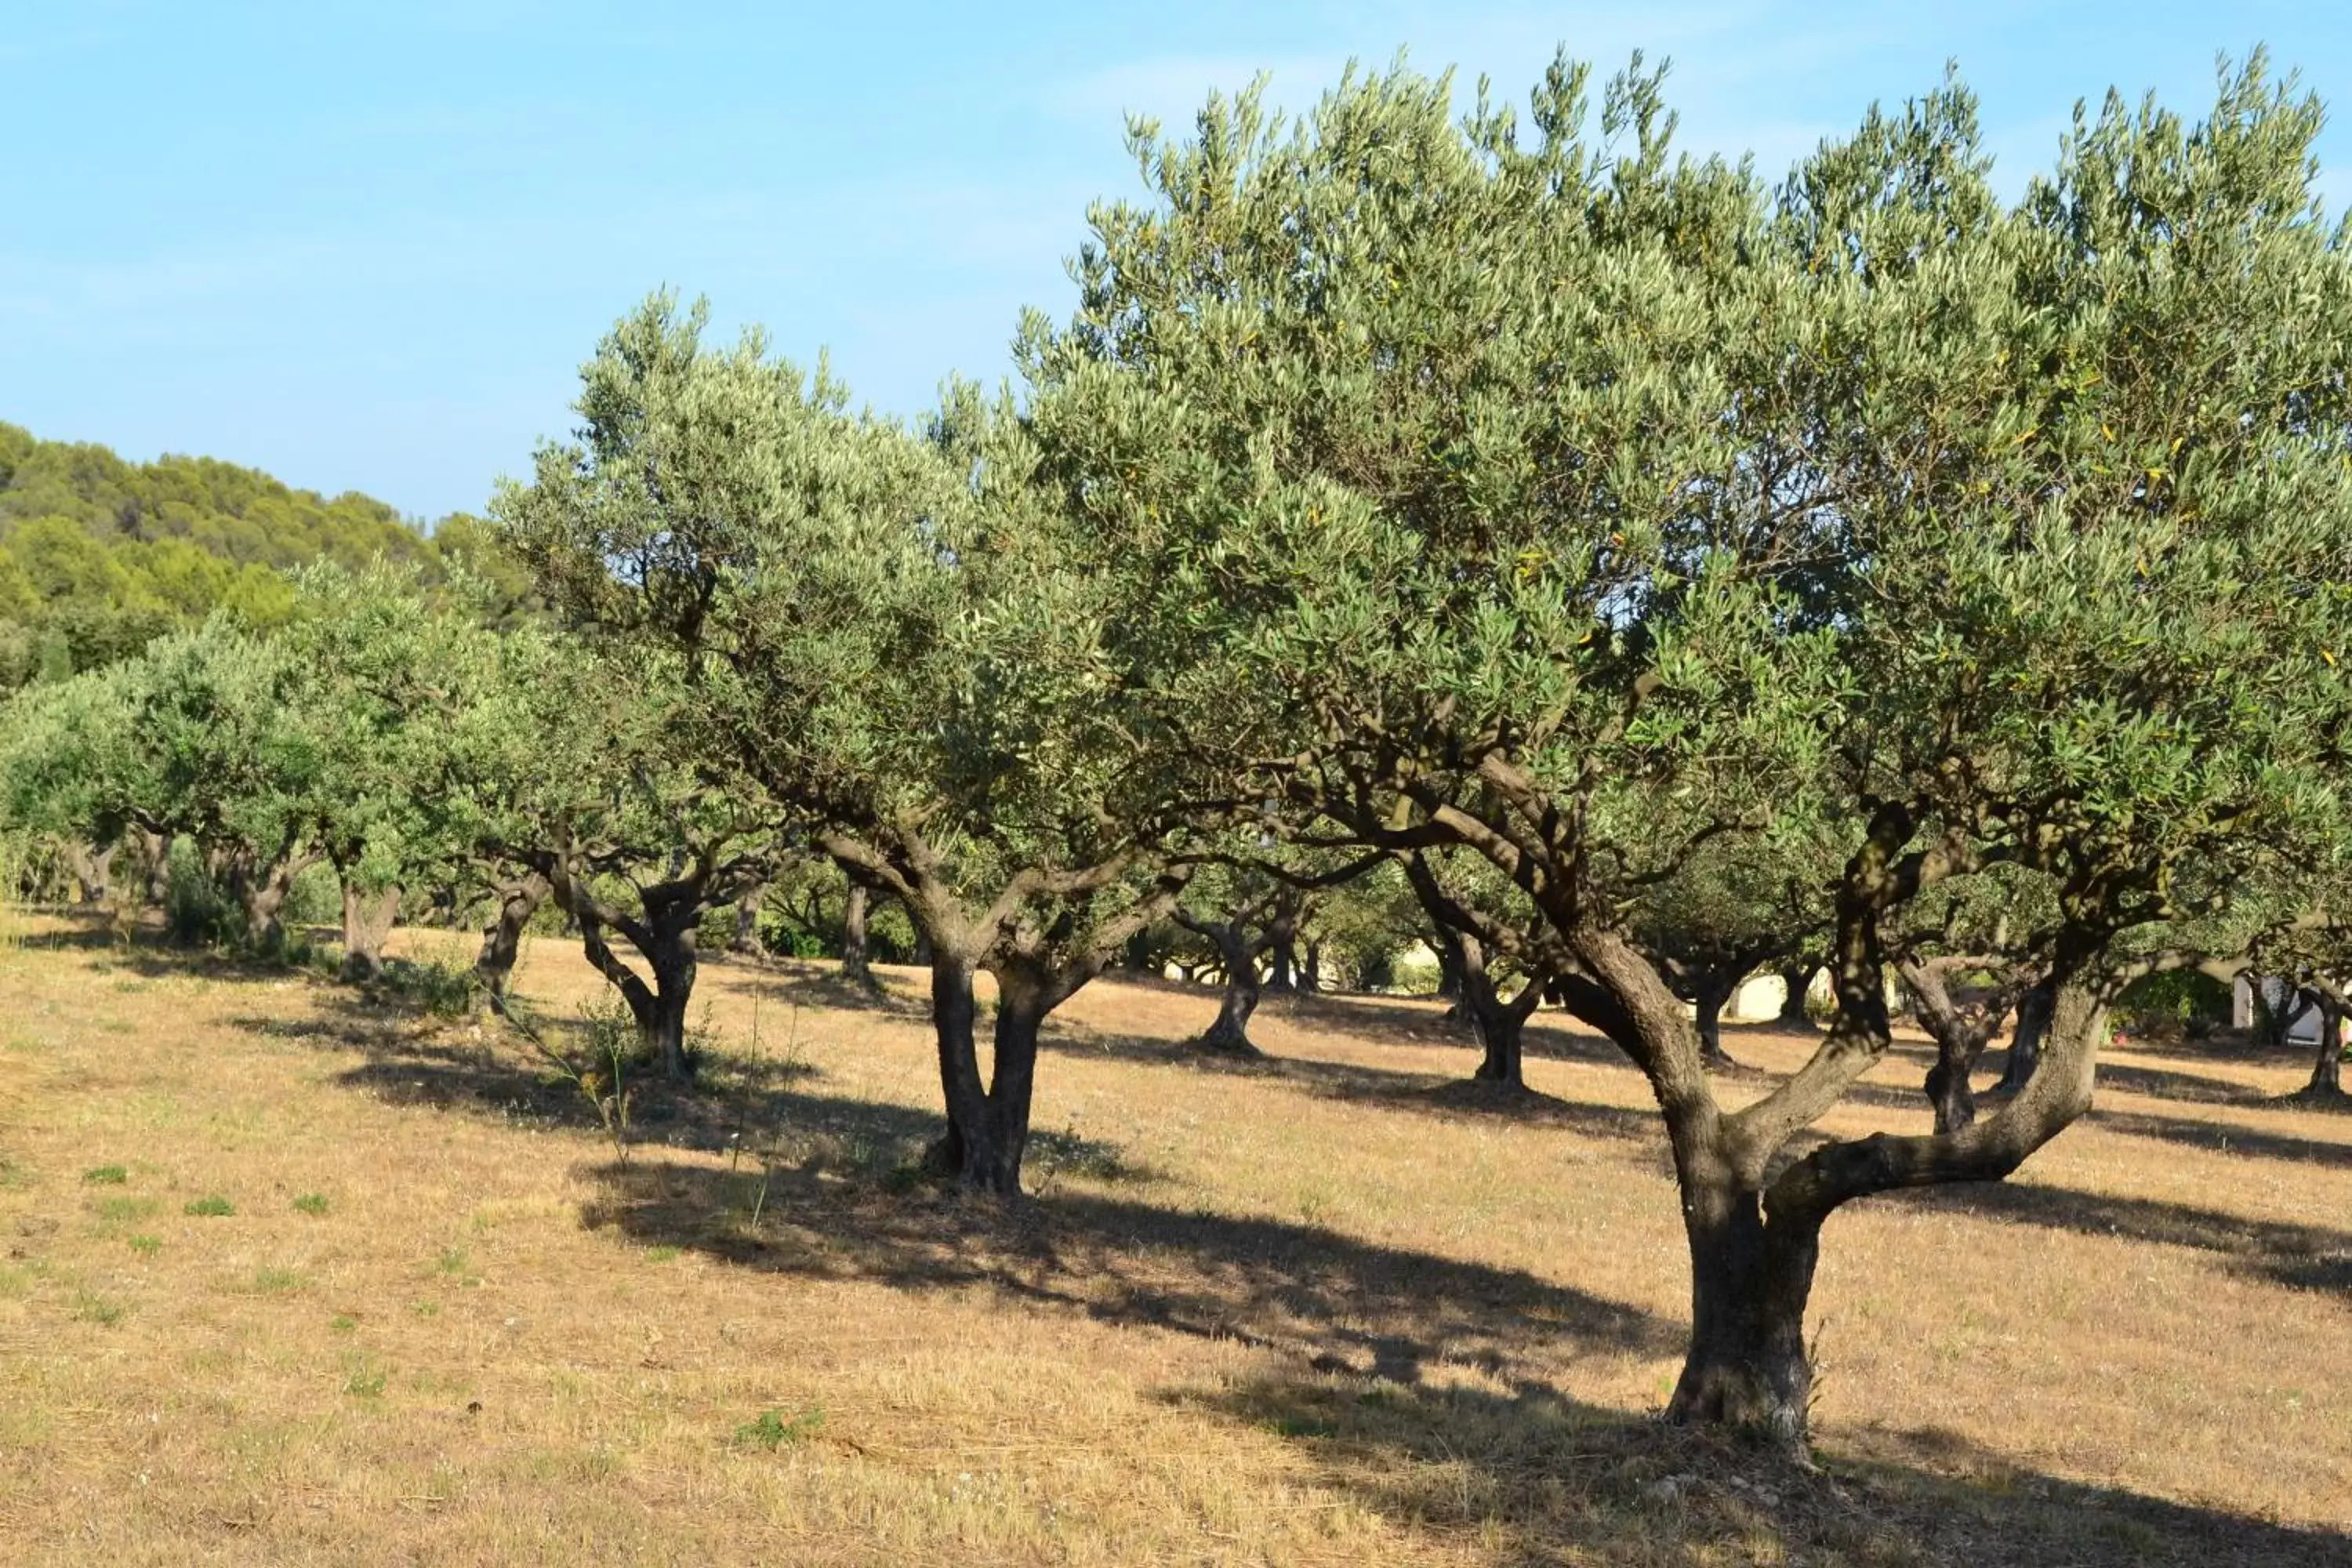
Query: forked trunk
518,900
1498,1023
856,967
988,1123
367,918
260,891
659,1009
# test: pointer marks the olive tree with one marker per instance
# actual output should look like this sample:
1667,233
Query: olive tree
893,634
1531,490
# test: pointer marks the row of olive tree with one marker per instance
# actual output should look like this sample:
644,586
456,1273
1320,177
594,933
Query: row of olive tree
1624,544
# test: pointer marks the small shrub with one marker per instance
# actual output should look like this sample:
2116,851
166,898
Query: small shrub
772,1431
121,1211
106,1175
146,1245
213,1207
312,1203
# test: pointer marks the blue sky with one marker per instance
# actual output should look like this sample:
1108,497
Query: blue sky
367,246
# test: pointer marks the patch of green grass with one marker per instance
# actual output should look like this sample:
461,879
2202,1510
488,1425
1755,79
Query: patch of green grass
123,1211
278,1281
312,1203
93,1308
772,1431
146,1245
106,1175
661,1254
343,1323
362,1379
213,1206
452,1261
1302,1427
426,1309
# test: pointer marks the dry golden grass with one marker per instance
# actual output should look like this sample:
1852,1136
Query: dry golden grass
1326,1310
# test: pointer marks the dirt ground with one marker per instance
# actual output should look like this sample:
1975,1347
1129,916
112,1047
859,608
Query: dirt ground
293,1273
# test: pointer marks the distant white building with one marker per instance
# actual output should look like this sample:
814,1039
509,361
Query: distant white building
2302,1028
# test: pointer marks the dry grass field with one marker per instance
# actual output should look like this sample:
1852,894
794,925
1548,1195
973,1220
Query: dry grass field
289,1275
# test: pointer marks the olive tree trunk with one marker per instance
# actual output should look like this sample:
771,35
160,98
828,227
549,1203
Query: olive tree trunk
519,899
368,918
856,965
1237,954
1798,981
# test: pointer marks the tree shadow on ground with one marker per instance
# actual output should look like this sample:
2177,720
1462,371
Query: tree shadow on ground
1449,1095
1339,1304
1382,1020
2226,1137
818,984
2306,1256
1537,1478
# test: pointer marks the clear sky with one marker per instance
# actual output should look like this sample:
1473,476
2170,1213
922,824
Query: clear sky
365,247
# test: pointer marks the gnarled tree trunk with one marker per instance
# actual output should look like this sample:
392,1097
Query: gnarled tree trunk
518,900
367,918
260,888
1960,1033
1229,1031
1500,1024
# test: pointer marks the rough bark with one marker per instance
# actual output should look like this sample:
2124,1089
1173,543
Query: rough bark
519,899
367,917
1499,1022
856,966
1311,977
